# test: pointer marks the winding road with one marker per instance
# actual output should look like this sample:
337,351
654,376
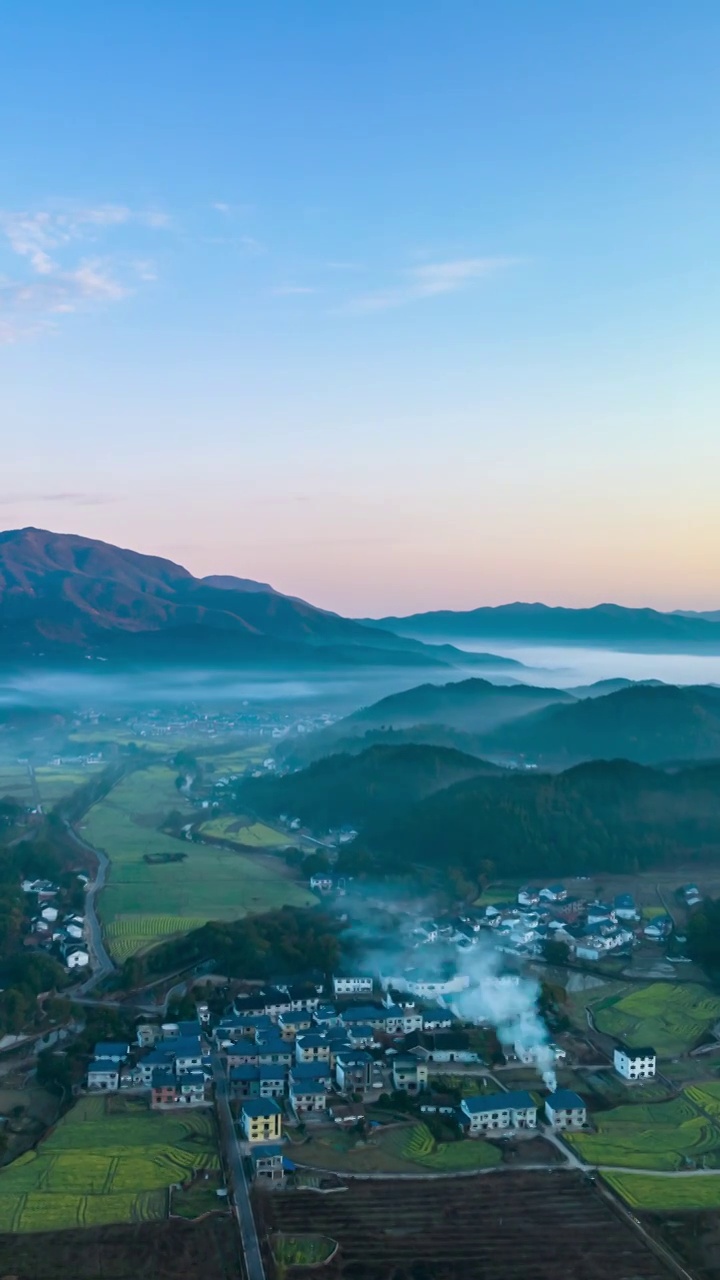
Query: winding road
102,965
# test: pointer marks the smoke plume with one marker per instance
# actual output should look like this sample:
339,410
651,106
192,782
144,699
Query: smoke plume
509,1004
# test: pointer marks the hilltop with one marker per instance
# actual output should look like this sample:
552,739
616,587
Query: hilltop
65,597
355,789
647,723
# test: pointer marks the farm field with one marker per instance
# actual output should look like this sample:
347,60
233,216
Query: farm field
143,903
55,784
672,1017
254,835
541,1226
168,1250
403,1148
668,1194
302,1250
15,782
108,1160
661,1135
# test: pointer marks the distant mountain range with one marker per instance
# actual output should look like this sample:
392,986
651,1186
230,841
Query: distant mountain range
64,598
607,626
650,723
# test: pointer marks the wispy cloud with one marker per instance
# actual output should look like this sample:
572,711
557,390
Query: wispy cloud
76,499
287,290
428,281
59,275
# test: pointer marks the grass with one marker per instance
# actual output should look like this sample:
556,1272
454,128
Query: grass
661,1135
146,902
199,1197
672,1017
301,1250
663,1194
108,1160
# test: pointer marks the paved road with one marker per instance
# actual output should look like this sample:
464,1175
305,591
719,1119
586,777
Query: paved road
102,965
243,1208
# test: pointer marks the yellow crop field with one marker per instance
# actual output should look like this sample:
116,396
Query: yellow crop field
108,1160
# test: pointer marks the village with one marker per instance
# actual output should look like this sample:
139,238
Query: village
298,1056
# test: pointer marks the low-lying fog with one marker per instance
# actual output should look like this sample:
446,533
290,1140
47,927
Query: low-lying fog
342,693
562,667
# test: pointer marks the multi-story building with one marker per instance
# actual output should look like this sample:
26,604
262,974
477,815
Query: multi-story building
635,1064
261,1120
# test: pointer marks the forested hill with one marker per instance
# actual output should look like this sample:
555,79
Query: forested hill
646,723
474,705
604,816
356,789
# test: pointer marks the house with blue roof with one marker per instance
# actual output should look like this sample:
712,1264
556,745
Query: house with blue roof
267,1161
482,1113
565,1110
112,1050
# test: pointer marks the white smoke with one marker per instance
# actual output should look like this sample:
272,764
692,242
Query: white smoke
509,1004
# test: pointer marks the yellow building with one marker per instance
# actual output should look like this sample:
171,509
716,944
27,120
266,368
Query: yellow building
261,1120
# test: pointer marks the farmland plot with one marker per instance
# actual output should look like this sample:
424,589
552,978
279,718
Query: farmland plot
538,1226
144,903
108,1160
663,1135
672,1017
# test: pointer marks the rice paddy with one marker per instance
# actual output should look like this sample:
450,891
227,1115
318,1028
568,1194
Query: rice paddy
252,835
108,1160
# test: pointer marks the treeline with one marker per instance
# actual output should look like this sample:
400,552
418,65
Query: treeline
23,974
284,941
608,816
703,936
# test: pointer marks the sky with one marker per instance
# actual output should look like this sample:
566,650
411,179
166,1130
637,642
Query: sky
397,307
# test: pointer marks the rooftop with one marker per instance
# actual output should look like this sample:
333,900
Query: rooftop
256,1108
644,1051
103,1064
564,1100
513,1100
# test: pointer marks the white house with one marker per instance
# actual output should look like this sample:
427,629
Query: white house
308,1097
553,893
312,1048
528,897
512,1110
426,988
103,1074
635,1064
565,1110
352,986
50,914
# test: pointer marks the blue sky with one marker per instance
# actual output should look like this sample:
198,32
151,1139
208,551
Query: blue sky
398,307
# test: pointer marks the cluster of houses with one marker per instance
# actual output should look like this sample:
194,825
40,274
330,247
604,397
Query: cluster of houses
53,929
290,1052
170,1061
549,913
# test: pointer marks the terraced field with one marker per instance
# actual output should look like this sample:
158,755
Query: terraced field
108,1160
15,783
664,1135
672,1017
146,902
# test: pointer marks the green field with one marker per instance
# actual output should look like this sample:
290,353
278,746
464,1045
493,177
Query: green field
15,782
661,1194
108,1160
660,1135
55,784
146,902
402,1148
671,1017
253,835
301,1251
